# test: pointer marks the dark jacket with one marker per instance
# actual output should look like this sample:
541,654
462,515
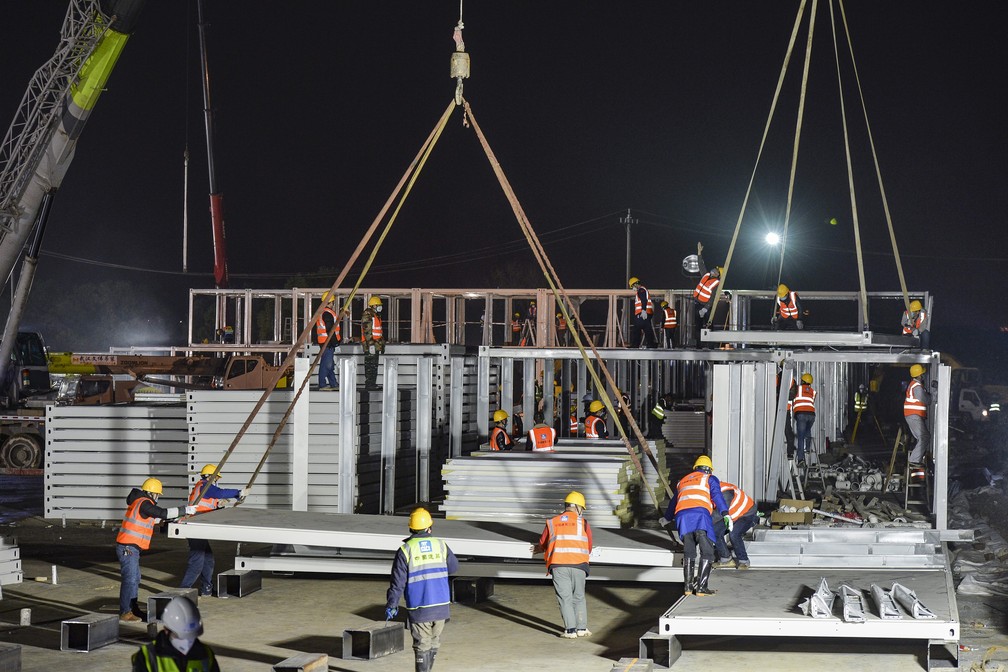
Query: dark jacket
162,647
148,509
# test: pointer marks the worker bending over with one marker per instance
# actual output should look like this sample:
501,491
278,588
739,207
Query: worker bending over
915,323
206,496
698,498
566,544
787,310
743,513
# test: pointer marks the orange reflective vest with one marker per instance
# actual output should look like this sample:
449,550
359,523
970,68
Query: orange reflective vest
646,305
909,325
542,438
320,327
568,542
741,504
376,329
591,429
515,326
573,423
788,306
136,529
911,404
561,324
804,401
705,290
206,503
693,491
670,318
493,438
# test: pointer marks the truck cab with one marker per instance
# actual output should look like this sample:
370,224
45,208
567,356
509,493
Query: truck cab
27,374
974,407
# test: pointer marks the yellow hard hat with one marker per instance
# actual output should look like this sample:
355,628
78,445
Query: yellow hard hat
517,314
782,290
595,406
664,303
634,281
703,462
915,305
374,301
532,302
717,270
152,485
208,469
500,415
327,297
916,371
557,389
806,378
420,519
575,497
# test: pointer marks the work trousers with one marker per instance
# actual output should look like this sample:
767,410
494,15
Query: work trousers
129,573
789,437
803,430
370,368
922,435
698,322
327,369
737,536
426,636
642,326
668,337
697,540
569,584
200,565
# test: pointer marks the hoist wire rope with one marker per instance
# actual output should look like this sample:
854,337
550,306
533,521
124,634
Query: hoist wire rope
566,307
794,150
292,353
759,154
850,172
878,170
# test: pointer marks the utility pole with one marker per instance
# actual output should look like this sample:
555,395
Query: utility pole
627,221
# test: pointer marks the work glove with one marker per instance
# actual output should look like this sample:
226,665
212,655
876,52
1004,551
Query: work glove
663,522
800,325
773,321
371,349
390,613
703,312
190,510
243,493
728,522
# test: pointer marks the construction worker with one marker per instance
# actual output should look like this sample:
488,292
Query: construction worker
858,408
541,438
915,323
327,333
743,513
594,422
703,297
515,329
373,338
698,497
566,545
142,513
575,424
658,415
643,309
804,411
499,437
177,645
915,412
563,335
789,434
670,321
206,496
787,310
420,571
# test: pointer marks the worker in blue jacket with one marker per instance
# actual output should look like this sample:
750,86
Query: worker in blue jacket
420,571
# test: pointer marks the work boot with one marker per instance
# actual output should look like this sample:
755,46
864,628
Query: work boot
130,617
705,570
135,610
725,562
422,662
433,655
689,572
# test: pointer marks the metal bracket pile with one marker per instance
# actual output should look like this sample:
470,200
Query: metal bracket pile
908,600
820,605
886,606
853,604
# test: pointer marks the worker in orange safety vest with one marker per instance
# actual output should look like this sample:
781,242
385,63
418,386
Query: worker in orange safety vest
703,301
787,310
499,437
642,331
206,496
566,544
670,321
541,438
562,333
803,409
594,422
743,513
328,335
915,323
915,413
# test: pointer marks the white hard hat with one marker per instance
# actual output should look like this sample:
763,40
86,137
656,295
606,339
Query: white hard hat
182,617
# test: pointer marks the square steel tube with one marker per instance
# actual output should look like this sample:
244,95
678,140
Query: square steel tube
88,632
304,662
663,650
471,590
10,658
238,583
373,640
158,601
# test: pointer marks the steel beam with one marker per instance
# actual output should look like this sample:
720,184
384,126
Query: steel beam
863,339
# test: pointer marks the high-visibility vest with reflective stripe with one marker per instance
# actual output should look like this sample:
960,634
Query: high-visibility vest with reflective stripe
591,431
493,438
740,504
156,663
204,504
561,324
913,324
515,326
568,541
911,404
427,572
860,401
639,307
670,318
788,306
376,328
542,438
705,290
136,529
658,411
320,327
693,491
804,401
573,423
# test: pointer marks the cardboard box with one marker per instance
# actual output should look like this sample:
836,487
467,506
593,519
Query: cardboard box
780,519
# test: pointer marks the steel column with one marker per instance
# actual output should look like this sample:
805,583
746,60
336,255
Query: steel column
390,431
940,447
424,413
299,438
455,406
347,434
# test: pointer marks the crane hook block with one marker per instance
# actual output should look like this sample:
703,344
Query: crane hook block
459,65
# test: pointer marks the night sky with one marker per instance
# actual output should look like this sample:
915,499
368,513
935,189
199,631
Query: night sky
591,107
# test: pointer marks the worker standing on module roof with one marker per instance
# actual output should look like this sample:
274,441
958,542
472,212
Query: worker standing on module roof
420,571
743,513
373,338
562,333
788,310
915,323
327,332
177,645
698,498
206,496
541,438
594,422
670,321
703,301
915,412
642,331
804,410
142,513
499,437
566,544
515,328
